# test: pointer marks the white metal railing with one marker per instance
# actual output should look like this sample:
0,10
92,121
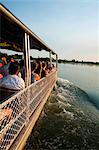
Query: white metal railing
16,111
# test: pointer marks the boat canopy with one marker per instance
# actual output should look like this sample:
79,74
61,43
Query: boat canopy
12,34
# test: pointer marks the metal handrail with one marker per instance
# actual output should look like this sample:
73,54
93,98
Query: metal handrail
21,107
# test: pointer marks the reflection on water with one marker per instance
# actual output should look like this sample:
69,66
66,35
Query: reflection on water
69,121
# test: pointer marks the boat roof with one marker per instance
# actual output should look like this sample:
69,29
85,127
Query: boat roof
13,33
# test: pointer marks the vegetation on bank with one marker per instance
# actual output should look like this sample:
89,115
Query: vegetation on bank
76,61
73,61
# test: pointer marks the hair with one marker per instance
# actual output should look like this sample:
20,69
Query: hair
14,68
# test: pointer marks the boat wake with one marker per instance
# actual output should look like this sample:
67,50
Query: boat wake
77,97
69,121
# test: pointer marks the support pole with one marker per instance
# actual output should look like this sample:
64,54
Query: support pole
26,60
29,62
27,71
56,61
50,57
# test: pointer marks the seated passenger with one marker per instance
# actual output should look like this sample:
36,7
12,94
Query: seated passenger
4,66
4,60
53,66
12,59
22,69
1,63
1,76
7,112
34,76
38,69
33,66
43,73
12,81
4,70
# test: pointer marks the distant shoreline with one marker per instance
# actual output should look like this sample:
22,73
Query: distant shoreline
16,56
77,62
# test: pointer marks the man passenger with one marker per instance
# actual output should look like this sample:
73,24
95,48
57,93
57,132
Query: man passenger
13,81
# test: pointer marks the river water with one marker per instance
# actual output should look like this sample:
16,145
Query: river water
84,76
70,119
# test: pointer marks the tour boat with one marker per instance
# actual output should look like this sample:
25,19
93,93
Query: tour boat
19,110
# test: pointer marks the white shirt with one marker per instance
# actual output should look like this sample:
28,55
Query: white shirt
12,82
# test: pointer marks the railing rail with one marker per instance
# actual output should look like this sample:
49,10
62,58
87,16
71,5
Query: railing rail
16,112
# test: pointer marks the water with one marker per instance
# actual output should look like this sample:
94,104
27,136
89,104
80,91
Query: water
70,119
84,76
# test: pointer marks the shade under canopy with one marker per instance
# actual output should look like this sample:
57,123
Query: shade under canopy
12,33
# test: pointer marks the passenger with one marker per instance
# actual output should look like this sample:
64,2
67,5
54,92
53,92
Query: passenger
38,69
7,112
43,73
34,76
4,60
53,66
47,67
22,68
1,63
5,117
12,81
47,70
4,67
12,59
1,76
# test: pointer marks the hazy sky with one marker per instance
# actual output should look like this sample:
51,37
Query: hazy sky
70,27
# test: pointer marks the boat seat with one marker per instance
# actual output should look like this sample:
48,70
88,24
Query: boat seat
6,94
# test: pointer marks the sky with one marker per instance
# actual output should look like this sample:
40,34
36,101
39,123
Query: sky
69,27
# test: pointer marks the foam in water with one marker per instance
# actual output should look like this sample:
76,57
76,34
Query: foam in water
69,122
70,93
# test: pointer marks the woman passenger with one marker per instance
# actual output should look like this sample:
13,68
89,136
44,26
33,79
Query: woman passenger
34,76
43,73
38,69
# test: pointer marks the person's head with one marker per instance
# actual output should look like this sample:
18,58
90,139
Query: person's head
14,68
